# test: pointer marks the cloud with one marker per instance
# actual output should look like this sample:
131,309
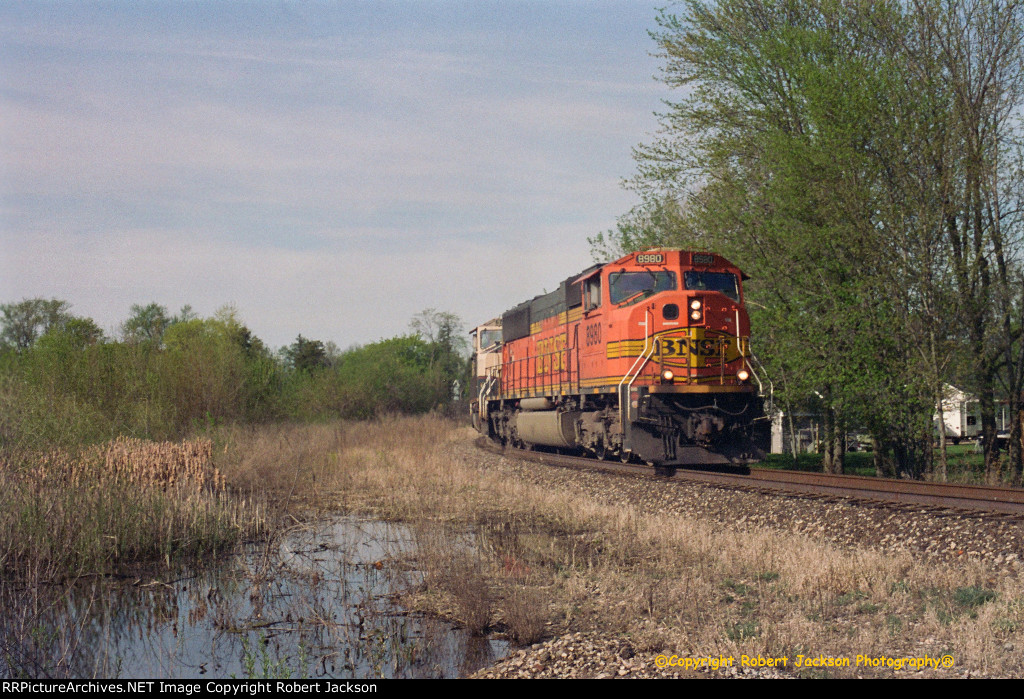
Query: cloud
330,172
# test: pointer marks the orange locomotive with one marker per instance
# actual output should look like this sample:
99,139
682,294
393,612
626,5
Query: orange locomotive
647,357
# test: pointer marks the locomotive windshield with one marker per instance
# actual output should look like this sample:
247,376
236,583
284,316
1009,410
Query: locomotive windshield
724,282
627,286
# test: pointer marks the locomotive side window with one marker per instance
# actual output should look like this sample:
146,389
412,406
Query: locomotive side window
624,286
592,292
489,338
724,282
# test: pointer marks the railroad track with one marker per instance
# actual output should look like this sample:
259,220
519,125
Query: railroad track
993,501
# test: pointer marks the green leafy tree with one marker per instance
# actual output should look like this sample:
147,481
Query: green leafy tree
394,375
306,355
76,333
24,322
203,370
252,347
146,324
853,157
771,130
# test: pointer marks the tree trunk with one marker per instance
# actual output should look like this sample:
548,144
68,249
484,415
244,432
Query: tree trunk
792,436
835,443
943,472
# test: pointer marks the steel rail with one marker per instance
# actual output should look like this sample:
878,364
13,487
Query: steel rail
977,498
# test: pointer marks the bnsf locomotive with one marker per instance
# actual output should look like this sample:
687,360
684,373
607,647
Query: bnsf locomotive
646,358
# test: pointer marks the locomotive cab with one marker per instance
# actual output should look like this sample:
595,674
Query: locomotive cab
678,318
486,367
683,312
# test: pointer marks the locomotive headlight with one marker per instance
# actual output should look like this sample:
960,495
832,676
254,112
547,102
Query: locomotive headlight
696,310
742,374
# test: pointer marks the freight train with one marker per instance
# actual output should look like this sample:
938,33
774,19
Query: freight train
646,358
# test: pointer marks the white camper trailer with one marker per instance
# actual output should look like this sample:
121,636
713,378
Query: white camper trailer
961,416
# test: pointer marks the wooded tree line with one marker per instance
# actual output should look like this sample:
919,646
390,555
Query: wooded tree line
862,161
63,382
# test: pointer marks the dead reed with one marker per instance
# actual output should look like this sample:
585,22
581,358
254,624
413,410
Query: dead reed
64,514
136,462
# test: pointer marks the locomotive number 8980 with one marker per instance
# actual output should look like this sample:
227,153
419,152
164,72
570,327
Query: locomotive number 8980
647,357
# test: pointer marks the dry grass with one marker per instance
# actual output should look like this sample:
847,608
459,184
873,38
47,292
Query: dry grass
526,615
289,460
508,553
553,556
455,577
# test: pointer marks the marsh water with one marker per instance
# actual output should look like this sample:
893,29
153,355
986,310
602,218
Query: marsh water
321,603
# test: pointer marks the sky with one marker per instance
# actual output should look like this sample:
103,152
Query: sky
329,169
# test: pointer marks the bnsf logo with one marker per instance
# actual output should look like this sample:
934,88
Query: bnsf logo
679,350
550,354
704,347
650,259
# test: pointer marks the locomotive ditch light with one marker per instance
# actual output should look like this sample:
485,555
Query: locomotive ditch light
667,376
742,374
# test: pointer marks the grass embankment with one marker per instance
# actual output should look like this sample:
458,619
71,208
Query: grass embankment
855,463
543,560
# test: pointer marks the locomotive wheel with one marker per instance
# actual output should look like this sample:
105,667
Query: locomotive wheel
625,456
602,451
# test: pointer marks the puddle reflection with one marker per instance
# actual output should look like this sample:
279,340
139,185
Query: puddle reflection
320,604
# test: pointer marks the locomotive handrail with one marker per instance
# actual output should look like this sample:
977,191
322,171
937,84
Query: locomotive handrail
543,373
576,346
753,372
760,386
624,396
628,388
647,339
721,360
485,389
